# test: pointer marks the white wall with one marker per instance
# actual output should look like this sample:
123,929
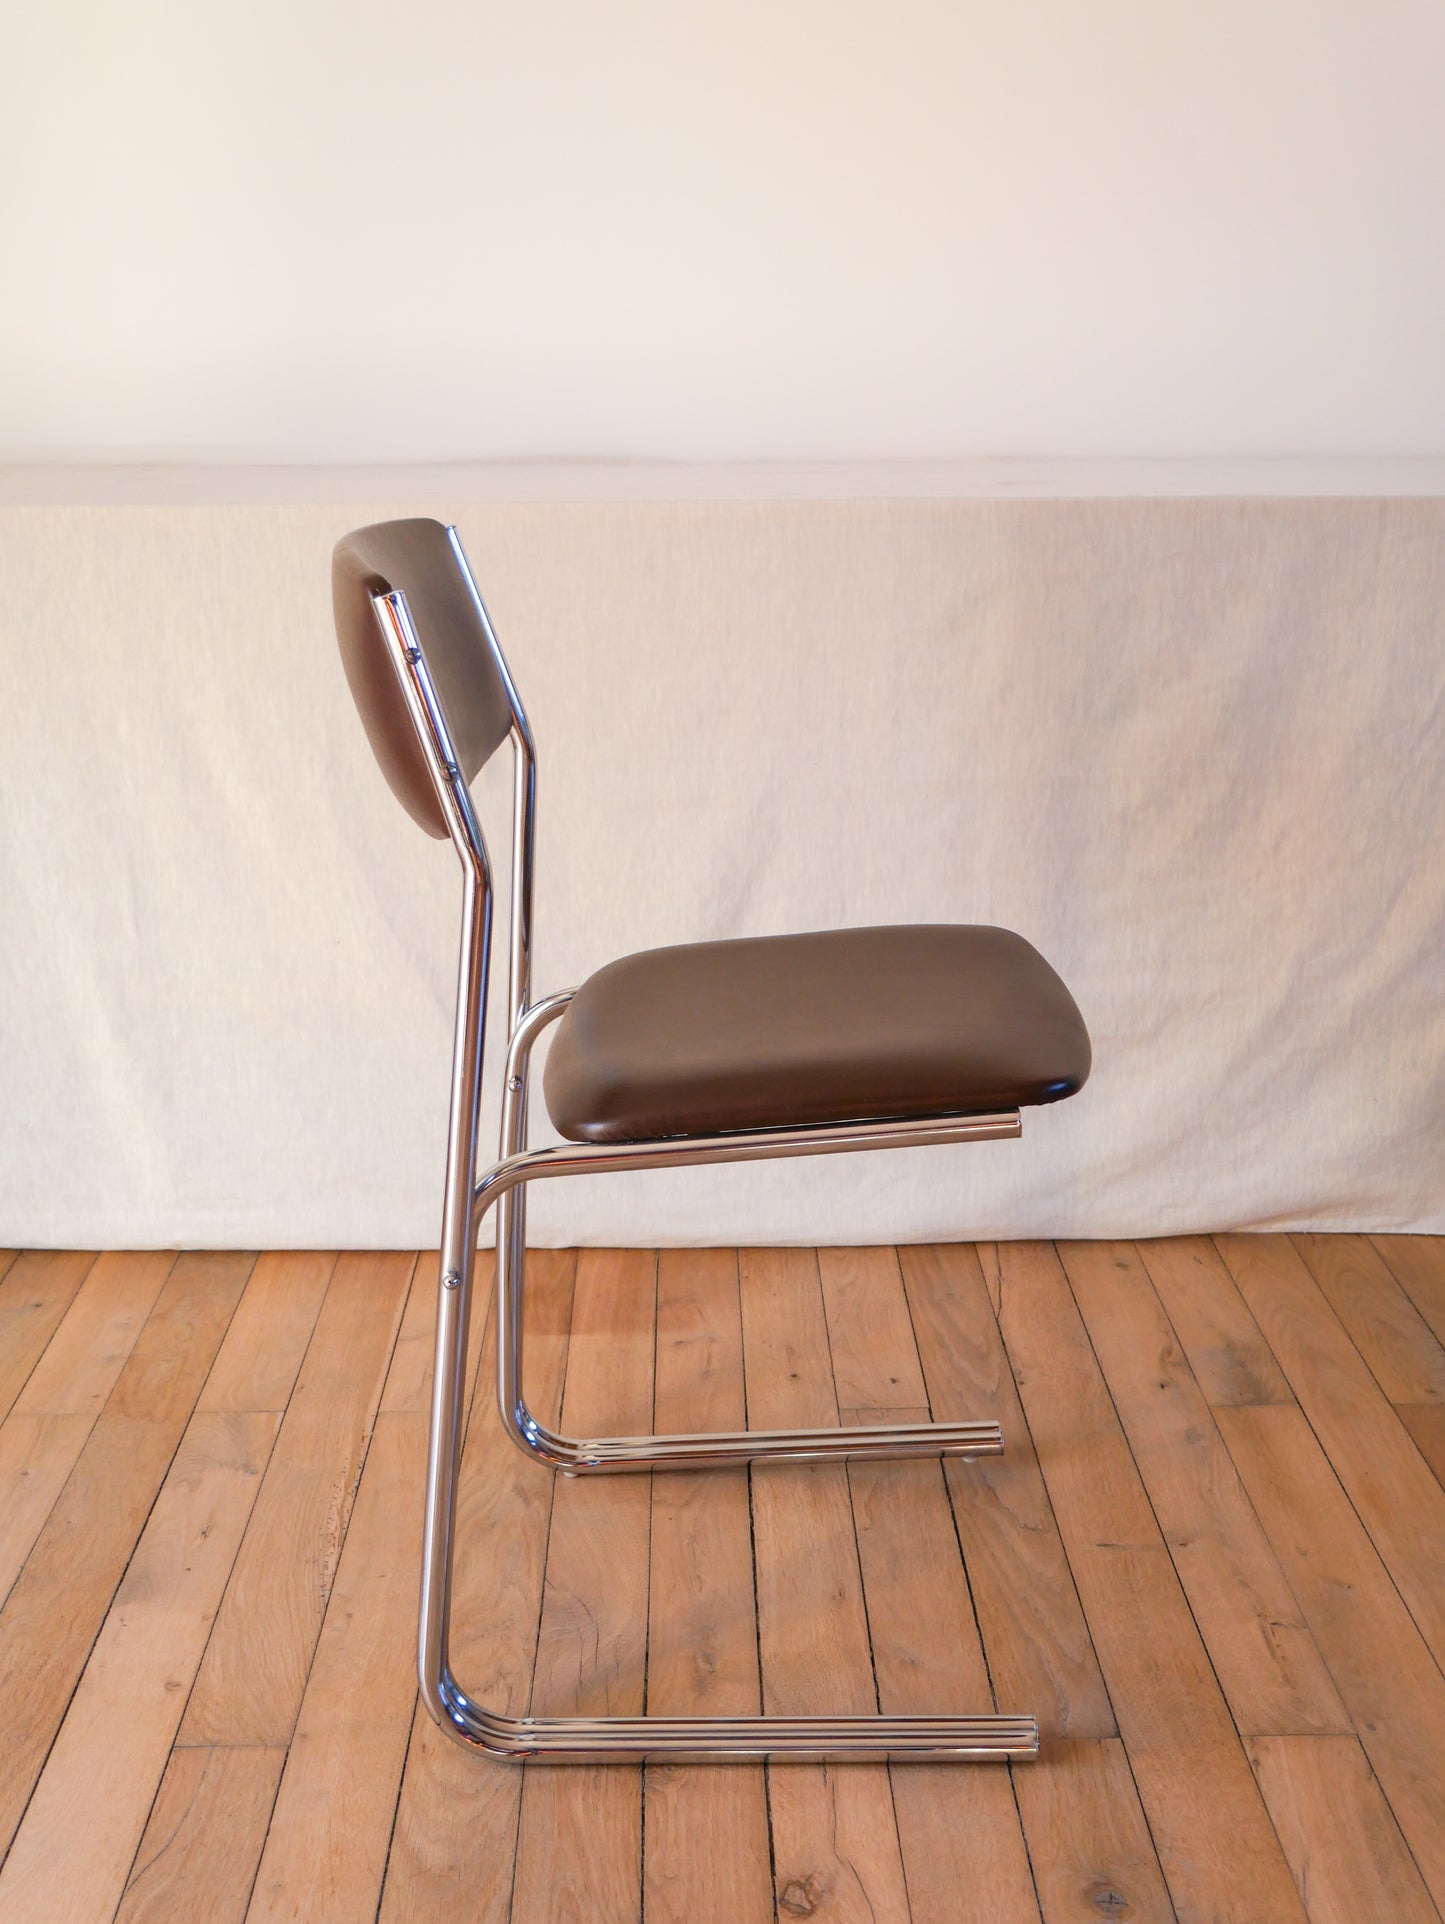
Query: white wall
302,230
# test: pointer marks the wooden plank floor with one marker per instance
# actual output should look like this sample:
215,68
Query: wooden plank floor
1212,1561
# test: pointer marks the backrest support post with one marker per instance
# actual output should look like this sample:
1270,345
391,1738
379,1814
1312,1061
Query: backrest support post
524,824
458,1240
524,805
452,792
410,620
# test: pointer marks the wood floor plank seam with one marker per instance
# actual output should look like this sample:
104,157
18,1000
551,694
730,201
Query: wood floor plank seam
1426,1423
265,1841
948,1497
953,1507
381,1375
416,1283
705,1858
472,1415
1012,1769
1434,1643
868,1633
772,1841
1226,1349
273,1271
371,1430
1398,1711
367,1414
1049,1502
182,1426
921,1613
1144,1819
276,1787
1234,1751
757,1608
552,1486
1207,1415
457,1815
1149,1499
898,1835
1299,1245
1401,1350
647,1606
1308,1691
1437,1654
579,1841
18,1389
150,1811
867,1619
1436,1658
180,1726
757,1637
536,1646
16,1412
874,1415
1318,1868
1005,1402
1409,1848
120,1579
1118,1417
953,1515
647,1637
852,1514
752,1533
41,1519
306,1349
1391,1248
835,1841
353,1728
651,1520
188,1439
300,1367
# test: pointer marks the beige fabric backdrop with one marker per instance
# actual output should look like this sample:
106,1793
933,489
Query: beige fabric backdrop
1191,748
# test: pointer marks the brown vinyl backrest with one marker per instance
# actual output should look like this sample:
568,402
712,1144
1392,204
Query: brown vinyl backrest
422,560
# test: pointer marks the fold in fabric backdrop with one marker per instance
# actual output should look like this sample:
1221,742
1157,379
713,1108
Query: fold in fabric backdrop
1192,749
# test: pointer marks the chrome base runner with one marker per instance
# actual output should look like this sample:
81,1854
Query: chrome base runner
942,1740
715,1450
989,1739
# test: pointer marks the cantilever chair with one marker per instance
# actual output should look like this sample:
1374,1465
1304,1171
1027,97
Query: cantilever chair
721,1052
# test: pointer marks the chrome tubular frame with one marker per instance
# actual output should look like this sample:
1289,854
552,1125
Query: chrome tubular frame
957,1739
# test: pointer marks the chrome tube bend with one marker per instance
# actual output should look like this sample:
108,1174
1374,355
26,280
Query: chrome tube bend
868,1739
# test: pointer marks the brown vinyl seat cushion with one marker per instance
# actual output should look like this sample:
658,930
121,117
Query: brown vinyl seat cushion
846,1025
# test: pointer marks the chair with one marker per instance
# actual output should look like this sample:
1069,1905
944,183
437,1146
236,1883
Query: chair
721,1052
